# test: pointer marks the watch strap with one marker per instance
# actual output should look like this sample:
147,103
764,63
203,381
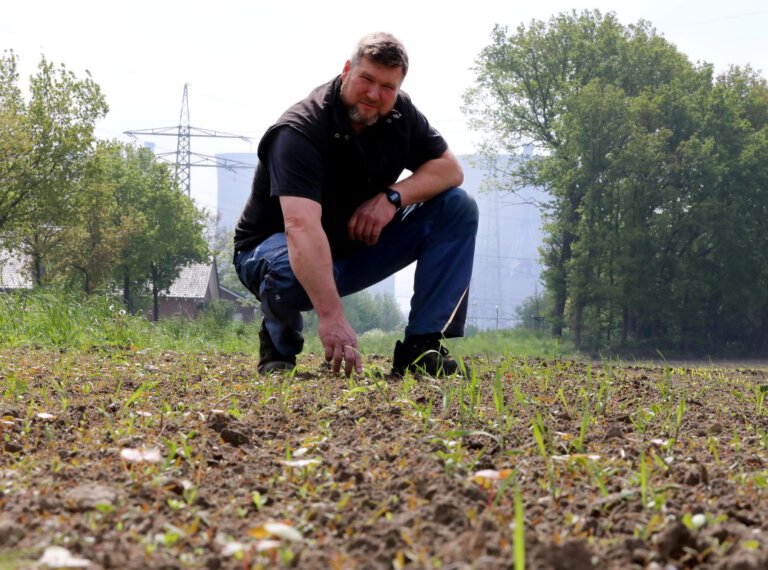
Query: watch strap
393,196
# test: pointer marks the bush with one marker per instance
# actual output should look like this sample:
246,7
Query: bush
532,312
366,312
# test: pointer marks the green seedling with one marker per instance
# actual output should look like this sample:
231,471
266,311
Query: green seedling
679,413
644,482
520,397
448,394
519,540
641,418
259,500
539,434
407,385
712,443
547,378
423,412
586,420
138,393
760,393
561,396
470,391
15,387
735,441
381,385
452,456
598,475
504,417
604,391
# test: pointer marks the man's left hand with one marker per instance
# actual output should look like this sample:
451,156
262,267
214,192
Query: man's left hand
370,218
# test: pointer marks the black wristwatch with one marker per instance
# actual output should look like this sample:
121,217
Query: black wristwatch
394,197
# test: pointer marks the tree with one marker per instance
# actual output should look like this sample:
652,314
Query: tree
129,171
366,312
55,139
530,312
15,143
644,156
526,84
173,227
223,250
97,242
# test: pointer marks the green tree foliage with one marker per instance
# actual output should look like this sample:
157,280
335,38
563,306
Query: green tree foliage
532,312
367,312
56,136
16,144
174,239
171,226
156,228
657,174
98,243
223,251
86,210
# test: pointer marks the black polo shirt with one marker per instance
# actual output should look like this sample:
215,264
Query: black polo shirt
312,152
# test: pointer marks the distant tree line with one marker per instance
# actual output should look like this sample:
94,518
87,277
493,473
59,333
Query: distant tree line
87,212
658,174
366,312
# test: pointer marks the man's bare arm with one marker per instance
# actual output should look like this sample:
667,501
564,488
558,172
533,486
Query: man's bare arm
310,256
431,178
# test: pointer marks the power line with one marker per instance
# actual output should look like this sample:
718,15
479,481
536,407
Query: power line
183,154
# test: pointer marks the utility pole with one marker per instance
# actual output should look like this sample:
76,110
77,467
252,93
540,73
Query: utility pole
183,146
184,155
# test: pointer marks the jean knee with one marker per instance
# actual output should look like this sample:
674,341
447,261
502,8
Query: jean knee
281,286
462,210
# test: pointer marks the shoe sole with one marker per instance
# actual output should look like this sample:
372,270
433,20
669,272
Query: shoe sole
275,366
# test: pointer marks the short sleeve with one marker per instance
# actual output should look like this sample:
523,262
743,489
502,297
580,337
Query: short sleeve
426,143
295,165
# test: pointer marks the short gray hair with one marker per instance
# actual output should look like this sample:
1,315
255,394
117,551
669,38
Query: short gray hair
382,48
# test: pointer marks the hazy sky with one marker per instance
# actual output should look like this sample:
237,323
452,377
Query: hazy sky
246,61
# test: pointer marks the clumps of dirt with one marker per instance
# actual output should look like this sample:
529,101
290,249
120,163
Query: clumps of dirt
159,461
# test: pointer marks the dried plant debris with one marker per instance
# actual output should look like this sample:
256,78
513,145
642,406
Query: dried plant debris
146,461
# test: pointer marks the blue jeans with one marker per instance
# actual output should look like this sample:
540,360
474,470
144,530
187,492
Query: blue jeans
438,234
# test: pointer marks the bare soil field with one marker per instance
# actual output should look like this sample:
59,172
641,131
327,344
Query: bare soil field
131,460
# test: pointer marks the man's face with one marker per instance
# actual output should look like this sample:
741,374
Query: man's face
369,90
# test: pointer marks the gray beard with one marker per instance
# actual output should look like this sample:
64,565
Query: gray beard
357,118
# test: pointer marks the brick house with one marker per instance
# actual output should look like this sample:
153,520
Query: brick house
198,285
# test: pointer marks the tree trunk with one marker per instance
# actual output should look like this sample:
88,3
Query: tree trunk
578,311
762,342
127,301
155,303
624,326
561,287
37,270
559,312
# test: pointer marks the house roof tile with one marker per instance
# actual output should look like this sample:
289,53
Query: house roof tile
13,272
192,282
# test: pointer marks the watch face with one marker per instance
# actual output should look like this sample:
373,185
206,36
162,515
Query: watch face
394,197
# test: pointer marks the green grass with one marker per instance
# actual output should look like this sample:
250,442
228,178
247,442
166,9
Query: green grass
62,319
71,320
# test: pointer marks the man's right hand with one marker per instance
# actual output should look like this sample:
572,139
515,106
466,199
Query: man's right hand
340,344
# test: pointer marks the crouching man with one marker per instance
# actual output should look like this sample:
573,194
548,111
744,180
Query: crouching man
327,217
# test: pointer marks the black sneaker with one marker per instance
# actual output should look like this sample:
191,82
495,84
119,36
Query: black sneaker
270,360
424,354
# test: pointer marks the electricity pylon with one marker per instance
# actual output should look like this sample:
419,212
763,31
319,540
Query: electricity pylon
183,155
